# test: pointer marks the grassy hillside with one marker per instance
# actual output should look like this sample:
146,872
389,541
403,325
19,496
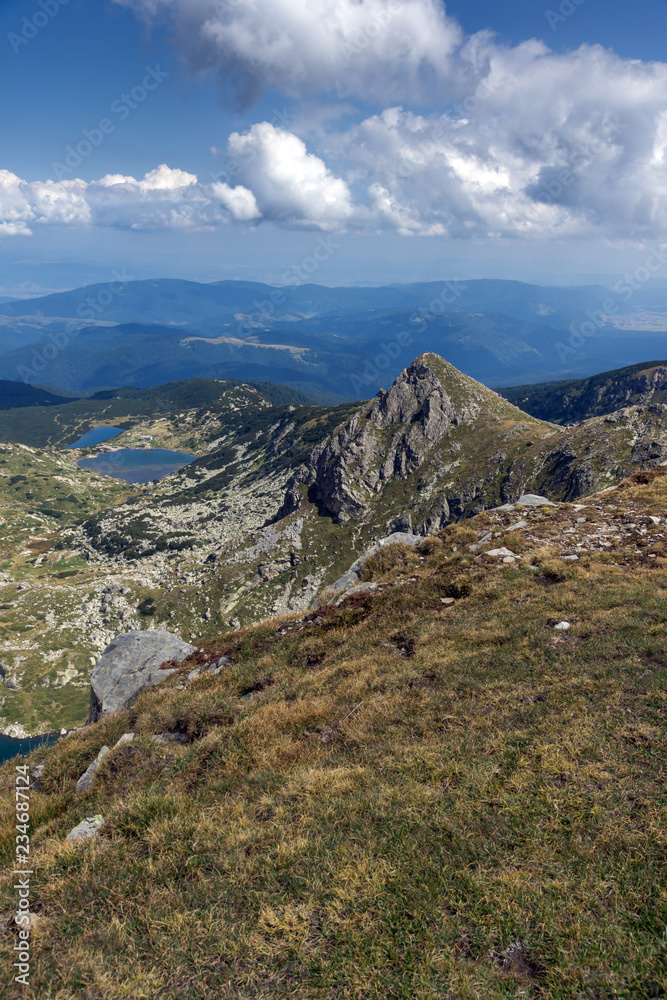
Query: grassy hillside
18,394
399,797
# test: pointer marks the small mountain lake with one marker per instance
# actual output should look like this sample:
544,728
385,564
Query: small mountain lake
96,436
9,747
138,465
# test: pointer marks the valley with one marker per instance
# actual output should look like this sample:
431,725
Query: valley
283,498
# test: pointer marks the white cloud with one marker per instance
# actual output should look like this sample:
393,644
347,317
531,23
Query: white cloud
525,142
373,49
543,145
239,201
286,182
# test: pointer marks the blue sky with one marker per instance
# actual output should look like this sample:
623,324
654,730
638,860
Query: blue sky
357,129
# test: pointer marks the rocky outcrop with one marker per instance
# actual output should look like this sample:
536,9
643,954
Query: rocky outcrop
388,439
350,580
128,665
85,782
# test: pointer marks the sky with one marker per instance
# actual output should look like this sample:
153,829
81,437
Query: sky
367,140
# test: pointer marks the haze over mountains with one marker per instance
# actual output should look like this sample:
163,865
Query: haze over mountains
335,344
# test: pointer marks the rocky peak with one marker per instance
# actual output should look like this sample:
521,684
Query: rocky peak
392,436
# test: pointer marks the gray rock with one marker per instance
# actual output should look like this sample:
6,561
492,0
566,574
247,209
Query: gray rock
385,439
87,829
571,558
86,780
531,500
361,588
130,664
125,738
351,578
219,665
478,545
517,525
502,553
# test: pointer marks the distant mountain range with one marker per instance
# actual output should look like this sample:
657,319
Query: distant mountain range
334,344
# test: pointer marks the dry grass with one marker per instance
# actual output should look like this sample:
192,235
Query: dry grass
411,789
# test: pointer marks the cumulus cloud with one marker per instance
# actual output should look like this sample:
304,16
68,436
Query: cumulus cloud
516,142
164,199
282,182
525,141
372,49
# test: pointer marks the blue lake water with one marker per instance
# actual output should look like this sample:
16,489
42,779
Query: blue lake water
138,465
10,747
96,436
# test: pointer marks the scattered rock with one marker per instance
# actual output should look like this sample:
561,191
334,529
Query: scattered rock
87,829
36,777
517,526
562,626
86,780
571,558
531,500
125,738
361,588
502,553
16,731
130,664
447,601
351,578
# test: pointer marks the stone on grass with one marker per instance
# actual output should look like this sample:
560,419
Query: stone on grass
87,829
361,588
532,500
562,626
500,553
353,575
130,664
125,738
86,780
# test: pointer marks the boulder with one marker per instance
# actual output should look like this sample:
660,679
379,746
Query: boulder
86,780
87,829
531,500
130,664
353,575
